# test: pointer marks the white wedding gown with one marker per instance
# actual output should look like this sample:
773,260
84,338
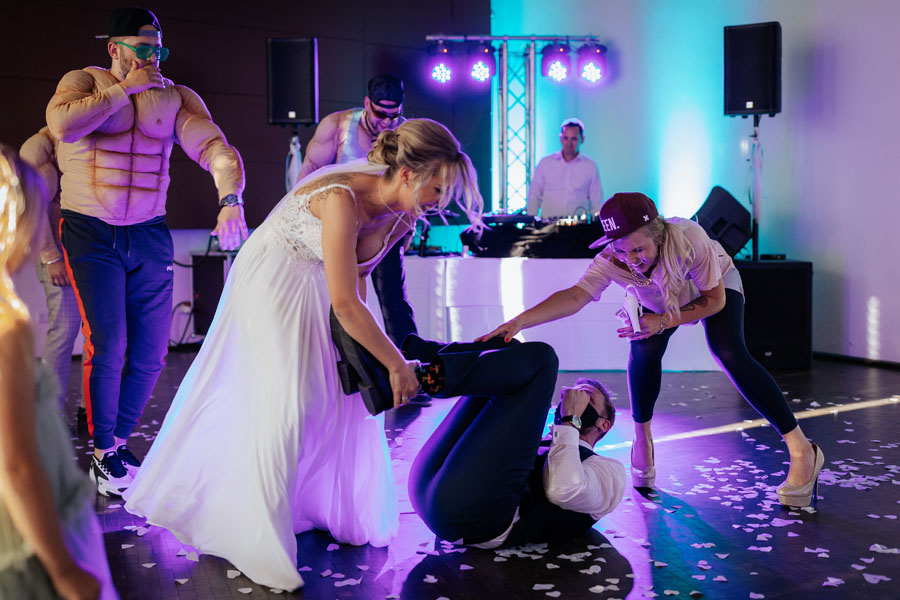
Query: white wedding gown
260,442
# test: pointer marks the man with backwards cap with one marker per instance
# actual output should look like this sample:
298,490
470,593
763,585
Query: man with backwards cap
348,135
566,183
116,128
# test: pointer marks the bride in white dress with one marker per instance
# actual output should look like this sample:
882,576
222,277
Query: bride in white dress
260,442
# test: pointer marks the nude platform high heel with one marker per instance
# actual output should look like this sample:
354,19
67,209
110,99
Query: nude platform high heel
801,495
643,477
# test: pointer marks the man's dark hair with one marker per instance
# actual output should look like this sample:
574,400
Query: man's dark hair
573,123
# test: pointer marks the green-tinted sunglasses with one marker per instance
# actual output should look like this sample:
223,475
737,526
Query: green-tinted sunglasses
143,52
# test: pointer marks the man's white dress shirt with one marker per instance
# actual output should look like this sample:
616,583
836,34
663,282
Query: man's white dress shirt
594,486
559,187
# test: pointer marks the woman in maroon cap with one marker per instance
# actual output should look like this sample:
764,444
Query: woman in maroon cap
680,276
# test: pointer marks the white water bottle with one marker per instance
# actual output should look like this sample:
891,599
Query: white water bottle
633,308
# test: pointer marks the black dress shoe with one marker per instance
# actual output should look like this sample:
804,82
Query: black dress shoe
417,348
360,371
81,419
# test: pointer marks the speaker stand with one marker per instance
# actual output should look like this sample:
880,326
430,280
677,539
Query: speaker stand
756,185
294,160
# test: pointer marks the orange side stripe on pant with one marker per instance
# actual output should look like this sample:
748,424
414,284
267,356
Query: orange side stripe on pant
88,346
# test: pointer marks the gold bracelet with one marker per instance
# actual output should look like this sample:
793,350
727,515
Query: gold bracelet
662,324
55,260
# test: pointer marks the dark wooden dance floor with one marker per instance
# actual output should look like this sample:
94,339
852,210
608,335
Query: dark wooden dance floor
712,528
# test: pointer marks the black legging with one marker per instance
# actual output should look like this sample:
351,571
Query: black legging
725,336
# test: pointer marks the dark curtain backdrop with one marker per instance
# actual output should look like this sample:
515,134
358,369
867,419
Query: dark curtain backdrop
219,50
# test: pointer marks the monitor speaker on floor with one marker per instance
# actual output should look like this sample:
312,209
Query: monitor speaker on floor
293,81
778,312
208,274
725,219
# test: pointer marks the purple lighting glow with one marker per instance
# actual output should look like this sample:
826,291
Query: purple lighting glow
480,71
592,63
591,73
556,62
441,73
557,71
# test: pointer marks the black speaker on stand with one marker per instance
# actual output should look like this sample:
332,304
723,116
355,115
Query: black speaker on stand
292,72
753,87
753,69
293,81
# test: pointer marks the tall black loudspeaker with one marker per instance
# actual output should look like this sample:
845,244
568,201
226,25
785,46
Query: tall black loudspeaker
753,69
293,81
725,219
778,312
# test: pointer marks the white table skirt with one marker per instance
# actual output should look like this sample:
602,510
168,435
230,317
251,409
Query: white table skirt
458,299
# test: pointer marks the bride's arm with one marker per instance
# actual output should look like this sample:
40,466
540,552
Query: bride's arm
339,234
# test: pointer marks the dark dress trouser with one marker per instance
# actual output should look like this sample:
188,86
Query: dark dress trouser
389,281
472,473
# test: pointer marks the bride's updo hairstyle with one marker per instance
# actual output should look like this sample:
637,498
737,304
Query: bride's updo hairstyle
428,148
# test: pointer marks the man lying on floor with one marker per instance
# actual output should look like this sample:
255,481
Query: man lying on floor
483,479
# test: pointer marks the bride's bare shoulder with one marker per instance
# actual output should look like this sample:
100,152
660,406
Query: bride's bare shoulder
335,179
330,185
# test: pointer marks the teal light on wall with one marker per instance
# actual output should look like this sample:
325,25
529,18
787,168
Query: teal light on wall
656,125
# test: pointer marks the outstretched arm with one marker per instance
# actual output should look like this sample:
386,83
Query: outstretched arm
26,490
337,211
322,148
560,304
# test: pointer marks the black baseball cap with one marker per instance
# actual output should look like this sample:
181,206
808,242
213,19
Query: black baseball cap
386,88
128,21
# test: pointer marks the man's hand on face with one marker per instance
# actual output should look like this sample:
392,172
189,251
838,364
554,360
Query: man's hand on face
575,400
143,78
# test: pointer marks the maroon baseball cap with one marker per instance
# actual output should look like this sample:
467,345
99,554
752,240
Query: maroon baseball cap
624,213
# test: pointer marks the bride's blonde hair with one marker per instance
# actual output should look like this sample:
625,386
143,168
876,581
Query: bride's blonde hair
23,202
676,254
428,148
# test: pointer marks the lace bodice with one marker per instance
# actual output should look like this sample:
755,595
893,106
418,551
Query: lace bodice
294,228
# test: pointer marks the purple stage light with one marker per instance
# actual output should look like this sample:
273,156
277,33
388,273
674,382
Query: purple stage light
480,71
556,62
591,63
558,71
441,62
441,73
481,62
591,72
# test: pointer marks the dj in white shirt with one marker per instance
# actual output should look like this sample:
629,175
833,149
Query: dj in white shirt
566,183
